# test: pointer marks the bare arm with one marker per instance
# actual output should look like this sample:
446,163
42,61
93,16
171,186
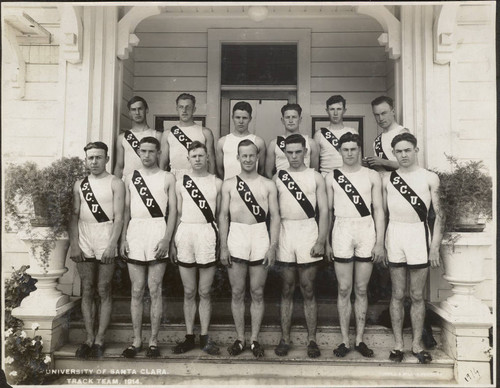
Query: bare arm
270,159
321,200
120,157
437,234
173,248
219,157
76,253
378,252
330,204
209,137
274,212
124,249
118,189
314,155
261,168
163,245
224,222
385,209
165,151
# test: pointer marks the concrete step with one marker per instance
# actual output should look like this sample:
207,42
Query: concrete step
196,367
225,334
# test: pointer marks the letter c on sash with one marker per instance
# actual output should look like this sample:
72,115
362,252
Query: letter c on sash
348,188
247,196
88,196
142,191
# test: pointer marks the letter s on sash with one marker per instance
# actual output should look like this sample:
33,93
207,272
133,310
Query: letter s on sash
189,184
85,186
137,180
341,179
241,186
396,180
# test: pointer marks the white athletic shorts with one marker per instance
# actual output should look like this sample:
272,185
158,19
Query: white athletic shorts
94,238
195,244
297,237
248,243
142,236
353,239
407,244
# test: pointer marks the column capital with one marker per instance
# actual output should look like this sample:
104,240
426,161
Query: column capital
71,33
444,32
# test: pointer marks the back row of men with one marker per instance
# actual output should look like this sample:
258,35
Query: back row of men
194,218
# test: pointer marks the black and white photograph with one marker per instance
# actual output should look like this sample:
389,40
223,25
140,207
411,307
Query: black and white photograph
249,194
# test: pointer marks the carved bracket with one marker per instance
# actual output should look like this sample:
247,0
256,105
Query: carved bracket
17,71
127,40
391,38
71,33
444,32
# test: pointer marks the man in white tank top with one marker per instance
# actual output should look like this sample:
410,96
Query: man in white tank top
247,199
228,165
357,240
127,143
194,245
146,236
301,241
384,160
176,140
408,194
327,138
94,230
275,157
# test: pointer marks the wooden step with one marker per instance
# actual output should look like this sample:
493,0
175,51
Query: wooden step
196,367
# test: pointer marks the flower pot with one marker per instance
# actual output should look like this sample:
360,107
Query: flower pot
40,207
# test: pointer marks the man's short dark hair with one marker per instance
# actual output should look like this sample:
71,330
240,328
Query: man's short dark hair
150,140
348,137
245,143
381,99
296,138
295,107
243,105
135,99
405,136
96,145
335,99
195,145
185,96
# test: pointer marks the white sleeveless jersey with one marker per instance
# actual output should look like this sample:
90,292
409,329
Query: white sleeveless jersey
290,208
177,152
156,185
232,166
341,201
191,213
329,157
258,188
386,142
280,160
132,161
400,209
103,194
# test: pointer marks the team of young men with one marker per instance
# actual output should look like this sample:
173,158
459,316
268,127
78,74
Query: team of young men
194,218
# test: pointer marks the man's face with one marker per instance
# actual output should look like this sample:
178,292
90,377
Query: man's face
405,153
241,120
295,154
384,115
96,160
350,153
185,109
336,112
149,154
137,112
291,120
198,159
247,156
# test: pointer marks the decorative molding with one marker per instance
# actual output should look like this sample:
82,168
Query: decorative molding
71,33
127,40
391,38
444,32
18,65
28,31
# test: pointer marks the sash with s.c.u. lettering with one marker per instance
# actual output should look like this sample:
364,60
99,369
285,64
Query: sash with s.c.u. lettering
132,140
146,195
379,151
181,136
297,193
249,200
280,142
200,201
407,192
89,196
330,137
352,193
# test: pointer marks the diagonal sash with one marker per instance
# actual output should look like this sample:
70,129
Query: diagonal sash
89,196
330,137
407,192
378,148
249,200
132,140
280,142
200,201
351,192
297,193
146,195
181,137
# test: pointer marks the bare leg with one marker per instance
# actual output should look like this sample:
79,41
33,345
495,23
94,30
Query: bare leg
286,307
344,271
398,278
138,279
258,275
155,278
205,291
418,278
361,278
105,276
306,277
87,272
237,277
188,276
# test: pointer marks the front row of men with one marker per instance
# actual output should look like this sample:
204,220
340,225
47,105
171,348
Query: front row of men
164,218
